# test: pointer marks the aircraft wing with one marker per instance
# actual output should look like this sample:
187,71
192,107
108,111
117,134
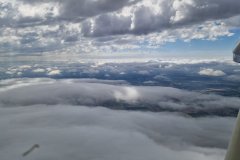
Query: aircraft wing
233,152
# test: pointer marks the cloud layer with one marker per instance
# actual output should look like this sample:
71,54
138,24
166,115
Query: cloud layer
121,97
110,119
217,76
107,25
68,132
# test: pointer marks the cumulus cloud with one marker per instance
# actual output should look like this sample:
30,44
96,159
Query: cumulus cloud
73,9
157,16
211,72
46,26
145,12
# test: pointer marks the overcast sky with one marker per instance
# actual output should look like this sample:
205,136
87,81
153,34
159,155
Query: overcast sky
122,26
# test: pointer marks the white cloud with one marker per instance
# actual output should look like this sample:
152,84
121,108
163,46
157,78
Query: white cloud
211,72
39,10
38,70
128,94
26,25
70,132
10,72
19,73
54,72
24,67
65,118
96,93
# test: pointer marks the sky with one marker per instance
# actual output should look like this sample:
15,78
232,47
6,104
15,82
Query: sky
202,28
118,79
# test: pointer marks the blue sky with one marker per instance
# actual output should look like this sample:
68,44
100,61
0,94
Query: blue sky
222,46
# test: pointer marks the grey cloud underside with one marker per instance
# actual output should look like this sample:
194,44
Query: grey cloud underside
142,16
73,9
68,11
192,11
151,23
174,14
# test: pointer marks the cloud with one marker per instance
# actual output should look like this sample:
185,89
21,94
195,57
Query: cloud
73,118
54,72
145,15
70,132
115,96
193,10
128,94
24,67
38,70
18,70
234,78
74,9
156,16
133,69
211,72
18,14
30,26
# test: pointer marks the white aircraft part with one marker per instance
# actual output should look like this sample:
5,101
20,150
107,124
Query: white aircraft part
233,152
